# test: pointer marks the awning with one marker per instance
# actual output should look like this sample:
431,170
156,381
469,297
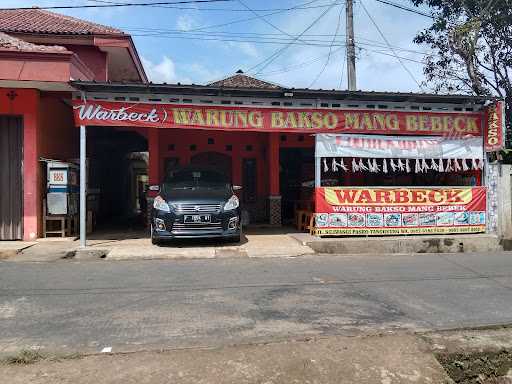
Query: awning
390,147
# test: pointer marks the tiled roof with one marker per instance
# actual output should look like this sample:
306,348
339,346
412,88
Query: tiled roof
37,20
240,80
9,43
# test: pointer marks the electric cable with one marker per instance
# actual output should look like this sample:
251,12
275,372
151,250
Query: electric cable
330,50
404,8
265,63
389,45
116,5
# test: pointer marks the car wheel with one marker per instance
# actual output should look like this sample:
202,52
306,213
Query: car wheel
154,240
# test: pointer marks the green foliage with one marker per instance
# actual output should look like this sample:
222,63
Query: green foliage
471,48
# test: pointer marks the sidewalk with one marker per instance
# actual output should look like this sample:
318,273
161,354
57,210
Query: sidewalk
135,245
334,360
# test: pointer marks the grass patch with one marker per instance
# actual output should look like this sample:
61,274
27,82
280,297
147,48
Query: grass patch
24,357
28,356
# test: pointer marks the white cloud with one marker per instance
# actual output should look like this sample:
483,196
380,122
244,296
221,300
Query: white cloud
202,74
185,22
162,72
246,48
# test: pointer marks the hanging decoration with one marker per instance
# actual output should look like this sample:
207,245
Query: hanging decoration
422,165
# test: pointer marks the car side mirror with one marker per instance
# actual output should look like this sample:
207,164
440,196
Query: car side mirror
237,187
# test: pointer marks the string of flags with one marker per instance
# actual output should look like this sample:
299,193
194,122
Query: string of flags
401,165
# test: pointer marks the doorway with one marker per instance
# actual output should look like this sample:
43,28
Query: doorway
296,177
11,163
117,178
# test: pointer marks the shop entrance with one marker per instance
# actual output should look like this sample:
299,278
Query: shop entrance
117,178
297,174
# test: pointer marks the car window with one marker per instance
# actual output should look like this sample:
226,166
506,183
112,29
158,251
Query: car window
195,178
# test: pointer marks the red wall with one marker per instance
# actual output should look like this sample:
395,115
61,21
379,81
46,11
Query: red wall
48,132
95,60
59,138
182,139
26,104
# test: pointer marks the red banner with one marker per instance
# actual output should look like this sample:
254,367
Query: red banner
494,134
396,211
103,113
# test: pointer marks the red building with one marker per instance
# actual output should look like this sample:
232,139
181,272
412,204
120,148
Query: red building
40,53
363,162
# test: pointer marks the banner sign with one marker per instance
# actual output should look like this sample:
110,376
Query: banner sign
389,147
398,211
494,134
240,118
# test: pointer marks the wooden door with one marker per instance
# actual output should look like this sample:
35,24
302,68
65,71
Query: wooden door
11,190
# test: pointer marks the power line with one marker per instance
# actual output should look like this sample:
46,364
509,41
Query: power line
298,65
250,18
225,9
389,45
116,5
330,50
274,56
344,63
404,8
262,18
392,55
259,39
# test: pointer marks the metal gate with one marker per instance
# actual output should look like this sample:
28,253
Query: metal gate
11,190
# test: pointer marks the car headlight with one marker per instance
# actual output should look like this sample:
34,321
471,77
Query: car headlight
232,203
160,204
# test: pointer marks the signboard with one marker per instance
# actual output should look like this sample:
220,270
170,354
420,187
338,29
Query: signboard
398,211
270,119
494,134
389,147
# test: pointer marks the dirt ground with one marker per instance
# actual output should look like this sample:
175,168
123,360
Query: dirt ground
480,356
376,359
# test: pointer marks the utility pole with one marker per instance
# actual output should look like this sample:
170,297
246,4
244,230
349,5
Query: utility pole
351,48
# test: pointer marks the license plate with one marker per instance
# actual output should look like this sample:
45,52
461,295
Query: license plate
197,218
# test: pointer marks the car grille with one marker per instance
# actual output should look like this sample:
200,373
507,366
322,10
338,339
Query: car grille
196,226
198,208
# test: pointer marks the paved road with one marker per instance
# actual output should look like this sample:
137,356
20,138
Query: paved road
142,304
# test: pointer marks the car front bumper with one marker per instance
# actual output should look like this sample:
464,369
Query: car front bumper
170,225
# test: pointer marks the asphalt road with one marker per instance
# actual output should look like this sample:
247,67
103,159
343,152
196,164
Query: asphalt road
132,305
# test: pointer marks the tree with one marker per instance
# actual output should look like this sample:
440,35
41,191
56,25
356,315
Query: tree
471,48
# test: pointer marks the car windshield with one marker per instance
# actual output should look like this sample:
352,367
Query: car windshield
187,179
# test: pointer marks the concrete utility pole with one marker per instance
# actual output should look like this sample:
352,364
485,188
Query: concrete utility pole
351,48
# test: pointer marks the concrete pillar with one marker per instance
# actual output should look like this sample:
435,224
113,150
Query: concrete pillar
499,200
154,156
504,201
273,174
153,168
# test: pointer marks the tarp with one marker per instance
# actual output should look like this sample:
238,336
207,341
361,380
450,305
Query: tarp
390,147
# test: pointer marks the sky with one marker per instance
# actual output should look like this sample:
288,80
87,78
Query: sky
301,47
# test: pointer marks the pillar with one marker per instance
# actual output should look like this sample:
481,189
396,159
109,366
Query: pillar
153,168
273,174
31,183
154,156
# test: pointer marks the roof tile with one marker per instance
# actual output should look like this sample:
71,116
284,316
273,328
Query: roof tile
9,43
37,20
240,80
